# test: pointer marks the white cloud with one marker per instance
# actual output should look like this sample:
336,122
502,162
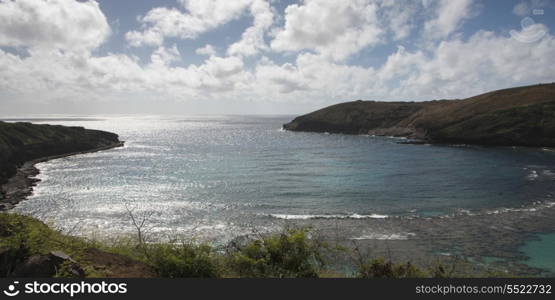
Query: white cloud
252,39
206,50
335,29
456,67
460,68
163,56
283,79
449,16
200,16
62,24
399,16
222,67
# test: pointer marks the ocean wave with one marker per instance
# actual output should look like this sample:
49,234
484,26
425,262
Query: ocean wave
385,236
521,209
533,175
310,217
536,206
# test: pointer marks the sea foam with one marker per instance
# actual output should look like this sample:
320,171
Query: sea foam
309,217
385,236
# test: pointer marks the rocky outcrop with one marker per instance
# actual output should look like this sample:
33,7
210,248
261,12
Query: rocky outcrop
523,116
48,265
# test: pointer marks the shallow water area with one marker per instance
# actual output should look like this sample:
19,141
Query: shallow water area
540,252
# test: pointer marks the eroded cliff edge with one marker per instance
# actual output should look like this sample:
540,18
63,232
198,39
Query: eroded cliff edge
522,116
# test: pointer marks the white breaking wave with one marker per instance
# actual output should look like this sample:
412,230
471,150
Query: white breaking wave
522,209
533,175
383,236
308,217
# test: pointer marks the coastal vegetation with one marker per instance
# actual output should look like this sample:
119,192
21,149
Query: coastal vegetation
30,248
522,116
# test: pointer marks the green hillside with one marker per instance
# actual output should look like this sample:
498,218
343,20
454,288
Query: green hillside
523,116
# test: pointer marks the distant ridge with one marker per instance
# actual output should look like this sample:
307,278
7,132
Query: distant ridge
521,116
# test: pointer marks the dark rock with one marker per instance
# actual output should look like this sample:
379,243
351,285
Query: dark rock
5,206
61,256
36,266
5,262
47,266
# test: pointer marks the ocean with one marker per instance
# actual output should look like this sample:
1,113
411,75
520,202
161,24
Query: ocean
219,177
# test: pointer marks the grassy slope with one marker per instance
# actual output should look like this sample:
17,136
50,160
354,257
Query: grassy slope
20,142
518,116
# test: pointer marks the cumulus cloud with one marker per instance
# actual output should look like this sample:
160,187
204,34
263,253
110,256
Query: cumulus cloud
456,68
335,29
400,16
252,40
199,16
316,73
62,24
206,50
484,62
164,56
449,16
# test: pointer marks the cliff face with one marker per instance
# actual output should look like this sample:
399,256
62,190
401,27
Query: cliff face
21,142
523,116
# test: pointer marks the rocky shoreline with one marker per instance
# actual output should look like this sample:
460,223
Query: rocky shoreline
21,184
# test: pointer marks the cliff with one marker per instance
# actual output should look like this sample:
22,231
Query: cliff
522,116
22,142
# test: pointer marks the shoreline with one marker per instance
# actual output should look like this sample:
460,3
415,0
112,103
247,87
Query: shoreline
20,185
407,140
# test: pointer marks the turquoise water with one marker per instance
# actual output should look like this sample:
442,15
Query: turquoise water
541,252
222,176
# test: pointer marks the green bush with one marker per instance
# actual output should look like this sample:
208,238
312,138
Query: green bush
289,254
183,260
292,253
380,268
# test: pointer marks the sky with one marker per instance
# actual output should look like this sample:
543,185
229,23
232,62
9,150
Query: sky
264,56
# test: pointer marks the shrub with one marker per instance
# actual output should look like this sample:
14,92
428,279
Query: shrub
24,235
183,260
289,254
380,268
